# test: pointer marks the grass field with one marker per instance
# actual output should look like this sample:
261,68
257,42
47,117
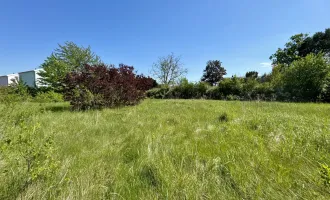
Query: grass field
181,149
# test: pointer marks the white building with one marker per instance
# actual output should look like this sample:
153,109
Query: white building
30,78
8,79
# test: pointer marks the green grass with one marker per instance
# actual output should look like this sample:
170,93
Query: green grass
184,149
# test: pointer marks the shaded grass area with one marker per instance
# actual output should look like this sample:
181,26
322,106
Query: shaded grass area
186,149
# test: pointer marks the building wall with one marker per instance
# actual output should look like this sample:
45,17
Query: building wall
3,80
29,78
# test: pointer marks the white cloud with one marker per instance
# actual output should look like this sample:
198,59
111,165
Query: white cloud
266,64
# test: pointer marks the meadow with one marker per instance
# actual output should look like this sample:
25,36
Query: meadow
174,149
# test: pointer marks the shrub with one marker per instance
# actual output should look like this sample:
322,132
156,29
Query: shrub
231,86
325,175
158,93
14,93
27,154
325,89
214,93
49,97
265,91
304,78
102,86
184,90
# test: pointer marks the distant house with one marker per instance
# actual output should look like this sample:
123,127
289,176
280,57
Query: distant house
8,79
30,78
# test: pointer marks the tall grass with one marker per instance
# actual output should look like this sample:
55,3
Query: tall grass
180,149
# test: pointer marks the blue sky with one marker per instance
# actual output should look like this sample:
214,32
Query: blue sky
240,33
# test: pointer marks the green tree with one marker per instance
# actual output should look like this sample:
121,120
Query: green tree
301,45
291,51
251,75
66,58
318,43
305,78
213,72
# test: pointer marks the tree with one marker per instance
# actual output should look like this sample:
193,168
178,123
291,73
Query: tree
290,53
168,69
318,43
251,75
305,79
301,45
213,72
66,58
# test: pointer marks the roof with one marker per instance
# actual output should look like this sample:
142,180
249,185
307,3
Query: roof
9,75
34,70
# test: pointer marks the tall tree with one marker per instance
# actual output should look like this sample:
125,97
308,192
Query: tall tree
301,45
290,53
66,58
214,72
318,43
305,79
168,69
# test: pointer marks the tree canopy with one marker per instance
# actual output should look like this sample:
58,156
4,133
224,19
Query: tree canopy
66,58
300,45
213,72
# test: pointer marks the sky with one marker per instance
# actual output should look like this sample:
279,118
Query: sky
240,33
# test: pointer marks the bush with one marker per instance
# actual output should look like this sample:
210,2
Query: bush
158,93
15,93
184,90
231,86
49,97
214,93
304,79
102,86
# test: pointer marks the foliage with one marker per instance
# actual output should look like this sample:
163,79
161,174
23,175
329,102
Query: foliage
325,89
145,83
26,154
102,86
158,92
183,90
301,45
168,69
304,79
188,90
66,58
318,43
213,72
231,86
325,175
16,92
229,89
251,75
290,53
53,72
49,97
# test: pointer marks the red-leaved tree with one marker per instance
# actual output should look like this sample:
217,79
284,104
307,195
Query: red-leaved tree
100,86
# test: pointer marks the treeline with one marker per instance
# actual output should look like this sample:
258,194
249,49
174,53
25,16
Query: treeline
300,72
